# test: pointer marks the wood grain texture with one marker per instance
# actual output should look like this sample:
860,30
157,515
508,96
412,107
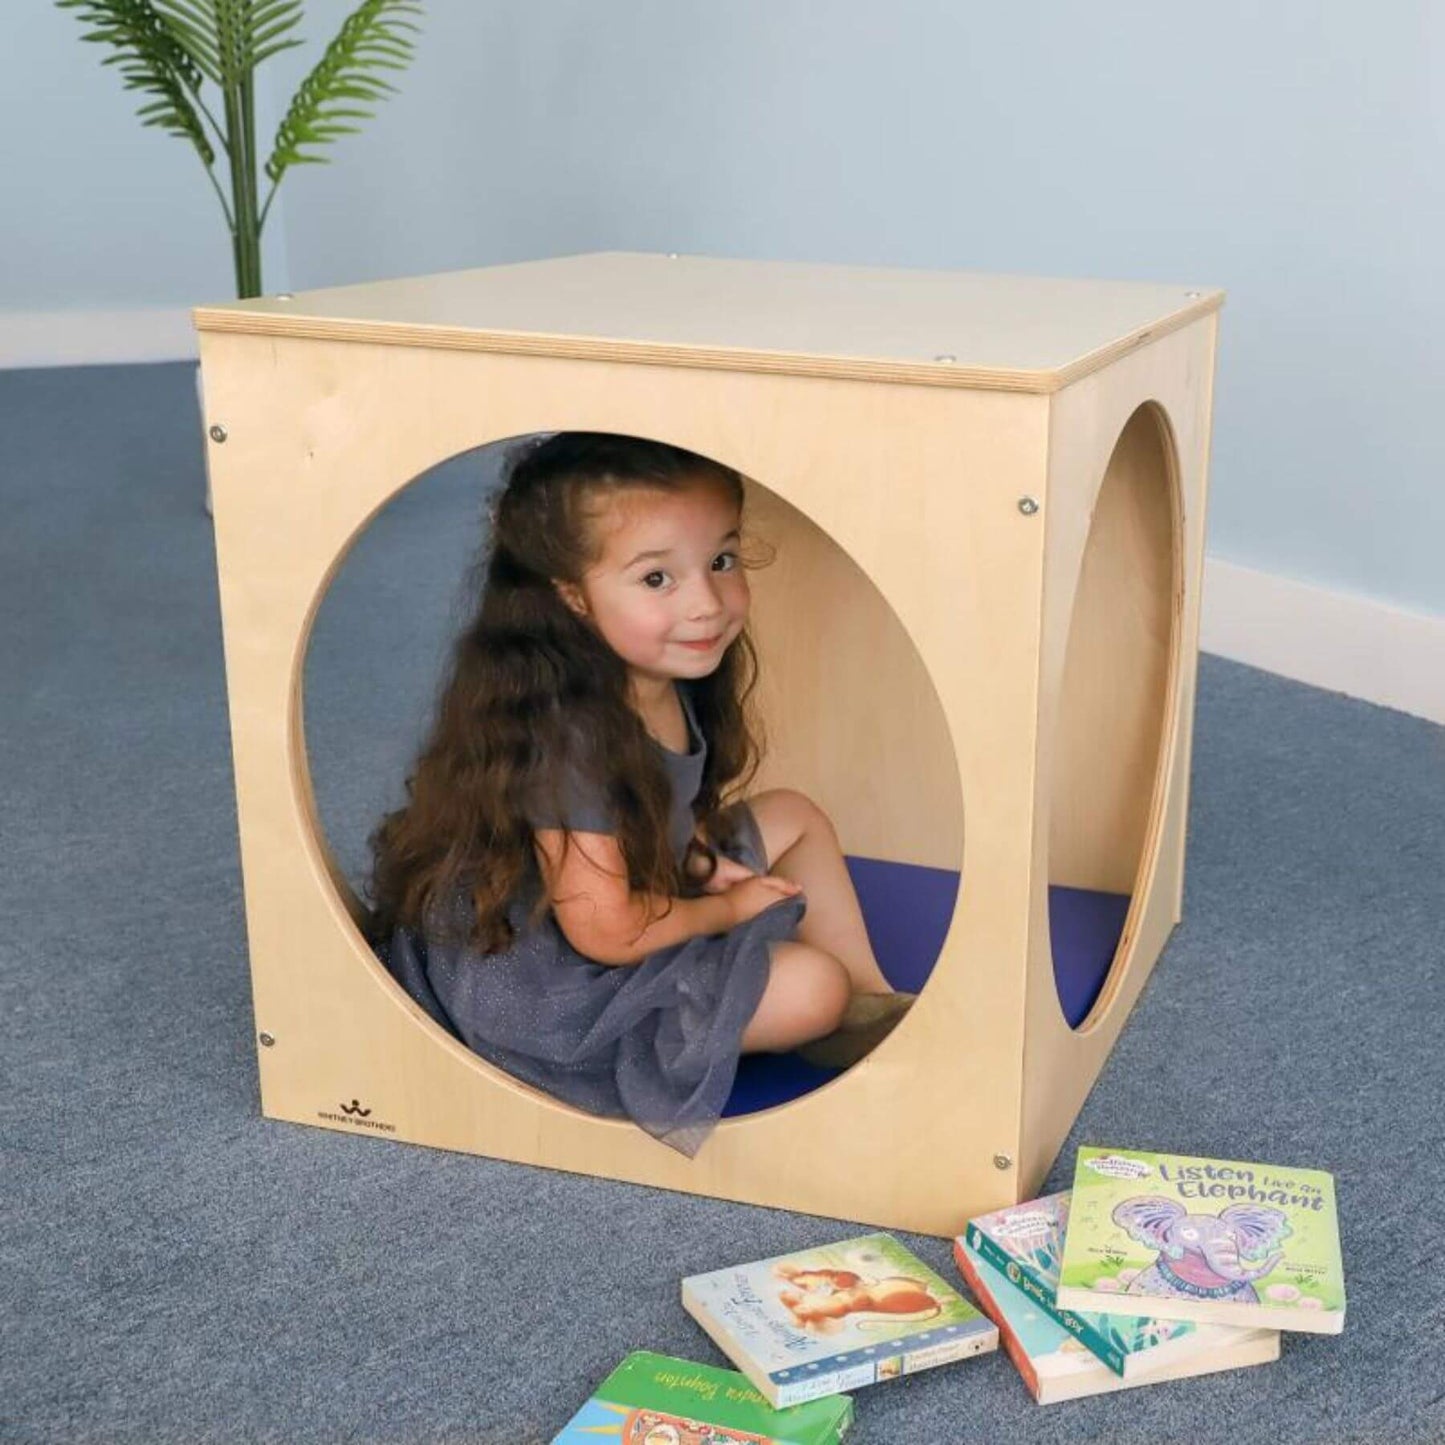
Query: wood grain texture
1140,429
921,643
925,328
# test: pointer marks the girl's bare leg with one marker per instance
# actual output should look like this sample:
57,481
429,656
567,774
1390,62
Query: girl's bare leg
802,844
805,998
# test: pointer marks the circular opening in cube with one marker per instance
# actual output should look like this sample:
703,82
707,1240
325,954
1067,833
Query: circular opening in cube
849,715
1112,727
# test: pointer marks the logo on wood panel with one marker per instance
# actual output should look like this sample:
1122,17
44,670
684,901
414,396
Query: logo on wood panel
356,1113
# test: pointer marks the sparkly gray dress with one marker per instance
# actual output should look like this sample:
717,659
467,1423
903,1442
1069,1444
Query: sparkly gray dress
656,1041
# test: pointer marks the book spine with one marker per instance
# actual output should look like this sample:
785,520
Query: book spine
1035,1289
723,1339
1213,1312
855,1377
817,1388
990,1306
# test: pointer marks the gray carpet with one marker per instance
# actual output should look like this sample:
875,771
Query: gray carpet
176,1268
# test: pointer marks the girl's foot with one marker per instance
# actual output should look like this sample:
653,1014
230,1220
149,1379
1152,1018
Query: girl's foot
867,1021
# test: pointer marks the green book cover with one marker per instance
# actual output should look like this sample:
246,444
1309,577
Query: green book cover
1219,1240
656,1400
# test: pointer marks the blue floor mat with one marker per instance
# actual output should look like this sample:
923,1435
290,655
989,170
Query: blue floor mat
907,909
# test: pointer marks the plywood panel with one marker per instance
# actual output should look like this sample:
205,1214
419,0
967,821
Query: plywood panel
320,434
930,328
915,632
872,746
1060,1064
1112,702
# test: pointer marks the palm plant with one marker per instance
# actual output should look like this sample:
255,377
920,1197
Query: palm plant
168,49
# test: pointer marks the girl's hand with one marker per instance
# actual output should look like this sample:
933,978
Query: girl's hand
759,891
728,872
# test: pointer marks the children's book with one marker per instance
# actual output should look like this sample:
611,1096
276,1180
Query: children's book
1056,1366
656,1400
1026,1242
801,1326
1181,1238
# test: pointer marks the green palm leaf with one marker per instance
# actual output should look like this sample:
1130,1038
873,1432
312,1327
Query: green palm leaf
166,48
376,36
152,61
227,39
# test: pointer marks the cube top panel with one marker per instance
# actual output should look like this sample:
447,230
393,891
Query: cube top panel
940,328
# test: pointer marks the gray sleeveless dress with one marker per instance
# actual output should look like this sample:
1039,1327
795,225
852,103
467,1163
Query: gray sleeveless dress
657,1041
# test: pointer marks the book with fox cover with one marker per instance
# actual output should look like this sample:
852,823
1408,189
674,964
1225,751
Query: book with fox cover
837,1317
656,1400
1178,1237
1057,1366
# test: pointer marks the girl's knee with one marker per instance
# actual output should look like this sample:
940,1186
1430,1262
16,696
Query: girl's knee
799,807
813,819
793,813
807,993
830,989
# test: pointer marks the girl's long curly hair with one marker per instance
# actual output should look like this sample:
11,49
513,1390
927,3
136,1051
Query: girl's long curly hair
532,691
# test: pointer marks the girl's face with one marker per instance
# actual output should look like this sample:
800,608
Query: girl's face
667,592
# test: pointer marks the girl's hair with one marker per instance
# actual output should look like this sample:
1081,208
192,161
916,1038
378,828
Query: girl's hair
533,694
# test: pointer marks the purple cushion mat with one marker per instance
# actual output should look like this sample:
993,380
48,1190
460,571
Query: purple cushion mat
907,909
1086,928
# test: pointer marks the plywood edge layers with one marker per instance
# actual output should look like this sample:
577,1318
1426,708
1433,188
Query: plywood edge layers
709,358
1194,603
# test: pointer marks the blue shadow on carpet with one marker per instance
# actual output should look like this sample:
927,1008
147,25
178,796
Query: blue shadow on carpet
907,909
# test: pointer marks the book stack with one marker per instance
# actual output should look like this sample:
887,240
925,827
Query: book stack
1151,1267
1156,1267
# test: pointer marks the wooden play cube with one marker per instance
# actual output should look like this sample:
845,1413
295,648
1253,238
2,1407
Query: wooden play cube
979,643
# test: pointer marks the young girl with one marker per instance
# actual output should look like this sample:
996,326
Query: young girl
566,889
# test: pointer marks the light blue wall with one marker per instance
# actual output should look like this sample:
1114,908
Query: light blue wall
1290,153
98,212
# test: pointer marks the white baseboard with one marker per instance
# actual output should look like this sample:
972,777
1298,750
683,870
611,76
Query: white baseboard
96,338
1335,640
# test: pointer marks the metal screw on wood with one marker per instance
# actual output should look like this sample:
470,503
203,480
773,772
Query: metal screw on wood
1002,1161
218,433
1028,506
267,1040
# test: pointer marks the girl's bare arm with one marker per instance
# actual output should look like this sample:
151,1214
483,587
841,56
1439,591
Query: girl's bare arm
605,921
601,917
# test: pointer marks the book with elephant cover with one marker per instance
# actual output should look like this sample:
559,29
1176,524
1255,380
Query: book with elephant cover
656,1400
1026,1243
838,1317
1056,1366
1177,1237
